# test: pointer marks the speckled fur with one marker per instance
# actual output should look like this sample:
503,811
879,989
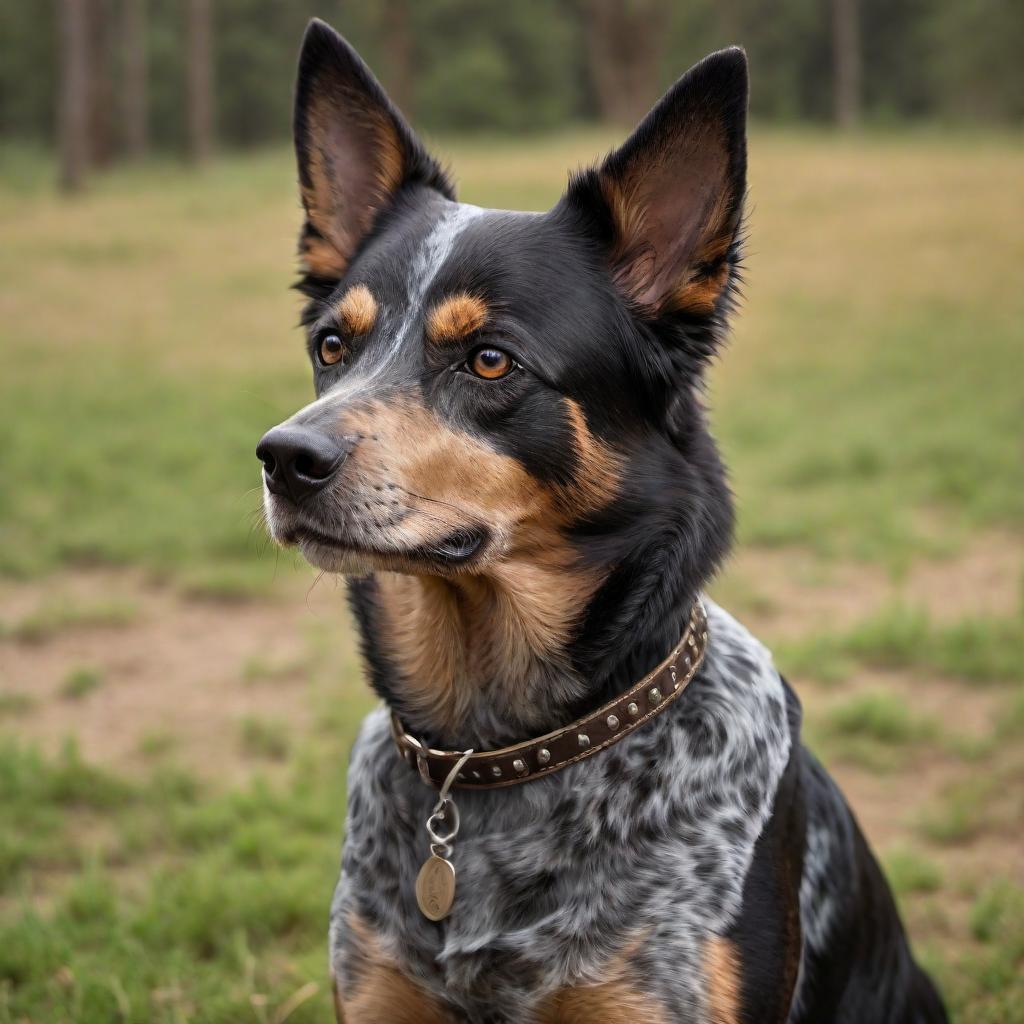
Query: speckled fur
555,877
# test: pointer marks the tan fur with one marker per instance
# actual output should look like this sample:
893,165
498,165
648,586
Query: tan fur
456,317
341,214
698,288
321,259
357,310
611,1001
699,294
521,605
721,970
380,993
600,471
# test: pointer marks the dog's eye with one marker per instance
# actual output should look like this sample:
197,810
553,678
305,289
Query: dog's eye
332,348
490,363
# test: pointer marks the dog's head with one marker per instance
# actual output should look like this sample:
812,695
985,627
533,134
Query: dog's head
499,389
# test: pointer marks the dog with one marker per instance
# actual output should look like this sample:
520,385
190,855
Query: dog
584,797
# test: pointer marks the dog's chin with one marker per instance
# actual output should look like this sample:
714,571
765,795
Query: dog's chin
454,553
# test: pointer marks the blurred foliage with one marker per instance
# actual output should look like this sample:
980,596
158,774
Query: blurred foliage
489,65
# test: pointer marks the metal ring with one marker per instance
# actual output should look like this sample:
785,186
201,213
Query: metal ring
446,812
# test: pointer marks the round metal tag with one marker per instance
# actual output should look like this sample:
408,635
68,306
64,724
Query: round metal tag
435,888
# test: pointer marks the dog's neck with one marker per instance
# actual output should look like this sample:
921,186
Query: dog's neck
482,661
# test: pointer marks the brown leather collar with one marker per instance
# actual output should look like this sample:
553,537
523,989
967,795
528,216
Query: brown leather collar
507,766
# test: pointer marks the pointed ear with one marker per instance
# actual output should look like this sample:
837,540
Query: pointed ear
354,150
670,199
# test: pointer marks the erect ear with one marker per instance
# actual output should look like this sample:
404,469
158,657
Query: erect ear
670,199
354,149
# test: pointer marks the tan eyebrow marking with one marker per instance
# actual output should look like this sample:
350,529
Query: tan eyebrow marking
455,317
357,310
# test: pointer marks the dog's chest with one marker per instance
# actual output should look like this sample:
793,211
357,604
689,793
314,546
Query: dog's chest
637,855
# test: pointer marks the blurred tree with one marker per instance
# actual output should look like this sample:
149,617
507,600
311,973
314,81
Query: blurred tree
102,61
73,115
30,54
492,65
846,62
626,44
399,66
974,59
497,66
199,80
134,112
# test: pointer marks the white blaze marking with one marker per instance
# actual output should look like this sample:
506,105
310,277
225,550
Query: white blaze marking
423,269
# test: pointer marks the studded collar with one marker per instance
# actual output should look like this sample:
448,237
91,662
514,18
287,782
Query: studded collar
523,762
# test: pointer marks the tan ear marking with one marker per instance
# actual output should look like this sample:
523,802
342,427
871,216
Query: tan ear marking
357,310
342,202
319,258
456,317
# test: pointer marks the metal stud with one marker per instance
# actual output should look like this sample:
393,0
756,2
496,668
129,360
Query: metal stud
583,739
632,708
495,771
519,765
543,755
476,775
613,722
655,695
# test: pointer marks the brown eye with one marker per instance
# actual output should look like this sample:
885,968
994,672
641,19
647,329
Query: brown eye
490,363
331,349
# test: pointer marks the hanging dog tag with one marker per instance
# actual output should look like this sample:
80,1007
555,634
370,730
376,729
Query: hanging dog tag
435,888
435,884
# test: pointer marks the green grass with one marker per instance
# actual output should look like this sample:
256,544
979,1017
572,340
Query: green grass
984,649
963,812
994,979
882,717
911,872
80,682
57,615
264,738
230,903
869,407
15,703
261,669
875,729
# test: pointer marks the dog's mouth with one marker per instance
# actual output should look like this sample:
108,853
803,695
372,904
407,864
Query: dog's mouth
455,550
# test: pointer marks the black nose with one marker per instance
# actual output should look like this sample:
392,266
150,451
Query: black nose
298,461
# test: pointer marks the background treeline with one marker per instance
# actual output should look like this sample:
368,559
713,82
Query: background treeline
128,75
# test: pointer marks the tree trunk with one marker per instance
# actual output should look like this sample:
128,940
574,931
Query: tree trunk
134,97
626,42
199,76
846,62
73,111
101,82
399,53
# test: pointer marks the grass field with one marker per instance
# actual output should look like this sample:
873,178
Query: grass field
177,701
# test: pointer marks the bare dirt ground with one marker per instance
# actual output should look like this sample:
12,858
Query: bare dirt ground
790,592
184,670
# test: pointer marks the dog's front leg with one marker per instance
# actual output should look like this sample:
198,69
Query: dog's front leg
383,995
371,988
